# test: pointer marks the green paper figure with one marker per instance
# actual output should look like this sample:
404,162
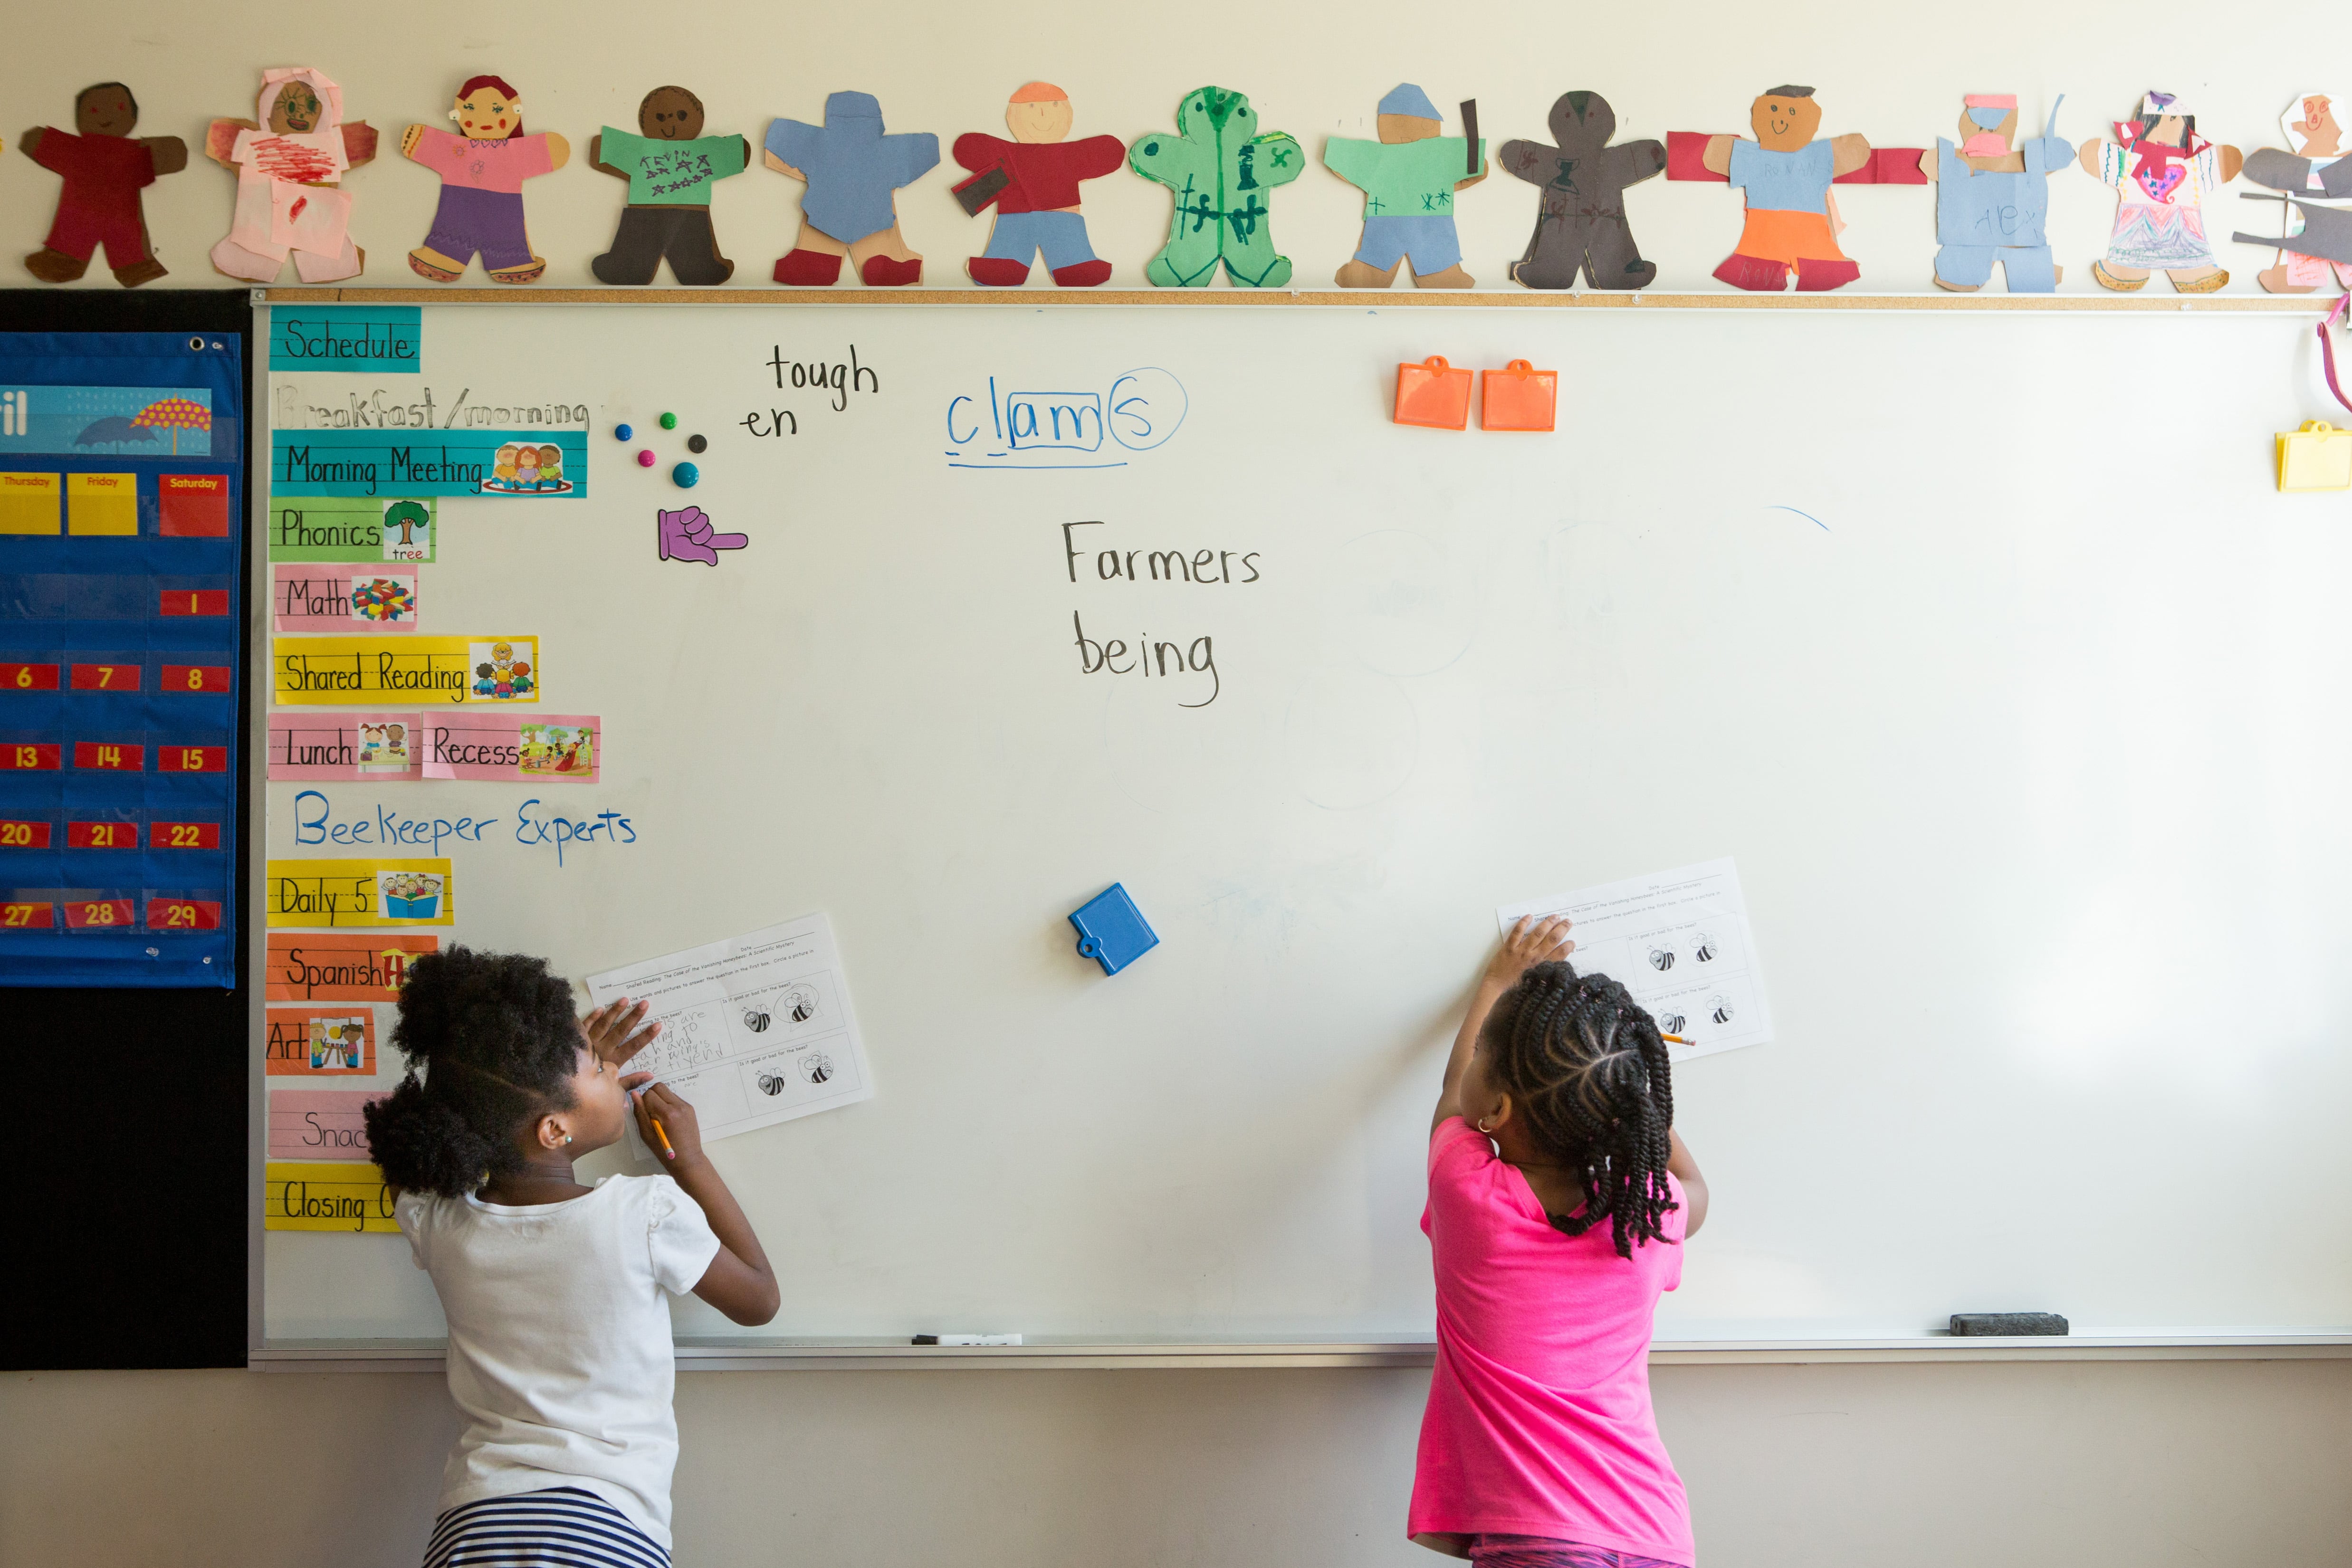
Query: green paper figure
1221,173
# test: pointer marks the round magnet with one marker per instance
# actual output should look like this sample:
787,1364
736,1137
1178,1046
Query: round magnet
644,460
697,443
684,476
622,432
669,421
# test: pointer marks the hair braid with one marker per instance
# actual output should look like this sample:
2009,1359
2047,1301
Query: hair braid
1583,1062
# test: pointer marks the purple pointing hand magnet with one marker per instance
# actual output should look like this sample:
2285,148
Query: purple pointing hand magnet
687,535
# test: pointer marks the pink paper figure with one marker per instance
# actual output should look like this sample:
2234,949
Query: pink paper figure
687,535
288,166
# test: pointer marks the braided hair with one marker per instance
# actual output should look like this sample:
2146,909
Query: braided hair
495,1036
1582,1060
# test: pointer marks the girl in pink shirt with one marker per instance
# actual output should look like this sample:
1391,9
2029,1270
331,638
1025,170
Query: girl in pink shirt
1558,1198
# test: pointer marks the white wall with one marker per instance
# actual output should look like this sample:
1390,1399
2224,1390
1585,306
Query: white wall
2149,1465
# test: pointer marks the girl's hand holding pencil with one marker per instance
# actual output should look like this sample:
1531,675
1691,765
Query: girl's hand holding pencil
665,1122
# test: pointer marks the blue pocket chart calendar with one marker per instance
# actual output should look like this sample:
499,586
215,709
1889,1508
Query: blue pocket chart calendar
121,505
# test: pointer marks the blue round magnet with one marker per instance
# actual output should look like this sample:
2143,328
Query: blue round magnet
684,476
621,432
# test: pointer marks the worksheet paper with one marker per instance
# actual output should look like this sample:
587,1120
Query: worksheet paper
1679,941
755,1029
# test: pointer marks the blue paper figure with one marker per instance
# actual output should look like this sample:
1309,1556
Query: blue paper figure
852,170
1993,202
1112,930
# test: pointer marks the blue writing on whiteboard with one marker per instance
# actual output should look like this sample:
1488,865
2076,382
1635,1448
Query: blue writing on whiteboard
1030,430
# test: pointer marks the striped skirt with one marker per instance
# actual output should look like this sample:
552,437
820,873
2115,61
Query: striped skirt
562,1528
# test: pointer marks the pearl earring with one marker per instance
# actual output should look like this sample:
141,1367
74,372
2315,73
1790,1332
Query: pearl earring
567,1140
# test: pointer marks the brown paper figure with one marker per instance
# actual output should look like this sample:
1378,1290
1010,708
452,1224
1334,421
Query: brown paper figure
105,168
2317,172
670,166
1580,215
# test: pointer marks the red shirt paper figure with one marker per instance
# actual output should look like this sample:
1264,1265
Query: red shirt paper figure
289,167
105,168
1033,181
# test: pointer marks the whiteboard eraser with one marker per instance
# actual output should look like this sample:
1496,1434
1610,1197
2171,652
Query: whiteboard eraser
1989,1323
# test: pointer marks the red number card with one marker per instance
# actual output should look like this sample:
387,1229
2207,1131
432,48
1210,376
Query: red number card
191,759
18,834
27,757
106,676
183,835
101,836
28,678
192,602
182,914
99,914
186,680
109,756
18,916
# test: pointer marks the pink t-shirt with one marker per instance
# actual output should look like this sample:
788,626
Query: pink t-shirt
484,165
1540,1420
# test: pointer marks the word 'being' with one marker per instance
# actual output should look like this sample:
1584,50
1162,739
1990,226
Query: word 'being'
1150,659
1141,410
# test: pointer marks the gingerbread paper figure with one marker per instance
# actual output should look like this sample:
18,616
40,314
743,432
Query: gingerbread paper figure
482,166
1220,171
1408,177
1580,216
289,168
1033,181
853,171
1792,220
105,168
2161,169
1992,198
2318,248
670,166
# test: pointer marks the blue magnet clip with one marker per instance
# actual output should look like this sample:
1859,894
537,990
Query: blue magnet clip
1112,930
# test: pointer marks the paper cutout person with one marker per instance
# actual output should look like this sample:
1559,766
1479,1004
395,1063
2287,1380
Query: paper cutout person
289,165
2161,169
1408,177
1033,181
105,168
1791,220
1580,216
1992,198
687,535
2318,249
853,171
1220,171
670,166
482,166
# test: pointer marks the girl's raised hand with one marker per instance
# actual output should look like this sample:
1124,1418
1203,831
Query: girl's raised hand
1531,941
617,1030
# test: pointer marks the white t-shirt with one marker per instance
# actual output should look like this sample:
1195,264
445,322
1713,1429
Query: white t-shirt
559,1349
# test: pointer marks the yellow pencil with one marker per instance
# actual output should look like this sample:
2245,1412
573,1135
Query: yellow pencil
667,1152
1674,1039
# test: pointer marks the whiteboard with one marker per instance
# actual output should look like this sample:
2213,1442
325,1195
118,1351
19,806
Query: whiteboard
1983,644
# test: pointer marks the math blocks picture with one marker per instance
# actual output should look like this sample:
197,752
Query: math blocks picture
1112,930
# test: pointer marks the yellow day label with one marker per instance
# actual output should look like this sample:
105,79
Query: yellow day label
490,670
325,1196
336,893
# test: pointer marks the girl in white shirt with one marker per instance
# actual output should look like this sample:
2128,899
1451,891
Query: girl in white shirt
557,1294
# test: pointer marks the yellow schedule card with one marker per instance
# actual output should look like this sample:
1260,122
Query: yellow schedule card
102,503
489,670
28,503
360,893
325,1196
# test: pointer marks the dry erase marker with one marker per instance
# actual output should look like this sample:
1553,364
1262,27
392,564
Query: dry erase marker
967,1339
